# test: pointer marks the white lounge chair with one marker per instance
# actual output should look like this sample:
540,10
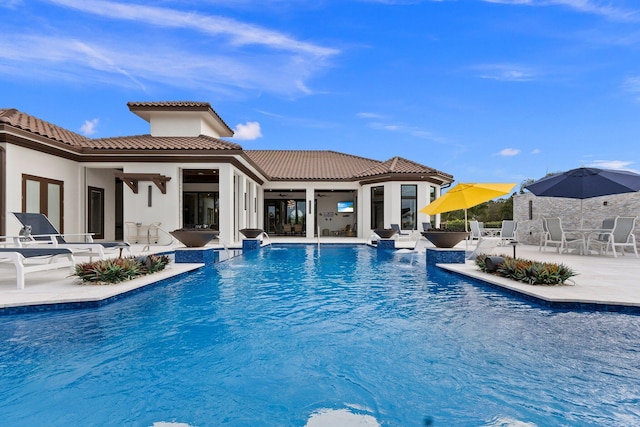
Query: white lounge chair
44,233
621,236
399,232
28,260
485,245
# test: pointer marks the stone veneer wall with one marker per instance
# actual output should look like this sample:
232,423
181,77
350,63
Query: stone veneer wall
594,211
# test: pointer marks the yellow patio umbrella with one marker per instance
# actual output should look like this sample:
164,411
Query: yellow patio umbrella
465,196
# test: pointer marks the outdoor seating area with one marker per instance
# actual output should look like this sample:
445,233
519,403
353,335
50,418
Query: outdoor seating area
614,233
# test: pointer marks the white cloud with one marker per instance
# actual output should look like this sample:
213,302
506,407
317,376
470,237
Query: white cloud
365,115
247,131
89,127
509,152
11,4
505,72
240,33
612,164
632,85
228,59
536,151
601,8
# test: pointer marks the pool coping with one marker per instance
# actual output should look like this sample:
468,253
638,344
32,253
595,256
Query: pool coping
95,295
549,296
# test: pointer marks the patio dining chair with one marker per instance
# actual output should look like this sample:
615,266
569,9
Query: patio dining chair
621,236
554,234
508,231
476,230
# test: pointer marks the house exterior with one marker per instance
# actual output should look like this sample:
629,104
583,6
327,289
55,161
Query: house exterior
184,174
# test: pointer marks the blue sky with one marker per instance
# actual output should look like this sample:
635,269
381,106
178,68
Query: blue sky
487,90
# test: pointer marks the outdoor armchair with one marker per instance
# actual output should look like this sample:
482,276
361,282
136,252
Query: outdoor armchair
620,236
554,234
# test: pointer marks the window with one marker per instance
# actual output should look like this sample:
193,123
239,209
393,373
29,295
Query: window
432,194
409,207
377,207
200,208
45,196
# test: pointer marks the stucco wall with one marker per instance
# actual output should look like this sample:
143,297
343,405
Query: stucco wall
24,161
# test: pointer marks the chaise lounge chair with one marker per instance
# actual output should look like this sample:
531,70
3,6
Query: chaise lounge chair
485,245
44,233
399,232
56,257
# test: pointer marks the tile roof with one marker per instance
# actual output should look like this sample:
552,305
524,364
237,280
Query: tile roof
148,142
400,165
308,164
277,165
174,105
40,127
331,165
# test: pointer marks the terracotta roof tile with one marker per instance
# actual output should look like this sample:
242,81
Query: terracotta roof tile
173,105
400,165
40,127
308,164
148,142
328,165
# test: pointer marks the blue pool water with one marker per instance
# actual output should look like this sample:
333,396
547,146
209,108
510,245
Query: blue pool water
287,337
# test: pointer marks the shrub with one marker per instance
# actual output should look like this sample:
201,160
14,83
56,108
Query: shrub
531,272
117,270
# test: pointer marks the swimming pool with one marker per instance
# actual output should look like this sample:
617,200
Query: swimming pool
286,337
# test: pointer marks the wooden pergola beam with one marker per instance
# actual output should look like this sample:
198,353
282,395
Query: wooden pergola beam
132,179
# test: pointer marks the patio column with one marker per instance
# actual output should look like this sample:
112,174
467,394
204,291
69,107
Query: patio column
226,210
310,223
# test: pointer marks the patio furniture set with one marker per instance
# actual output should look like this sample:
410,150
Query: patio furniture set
615,233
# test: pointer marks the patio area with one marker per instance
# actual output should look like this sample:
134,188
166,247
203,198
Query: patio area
601,280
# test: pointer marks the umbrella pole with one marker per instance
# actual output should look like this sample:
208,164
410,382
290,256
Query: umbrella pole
581,216
466,241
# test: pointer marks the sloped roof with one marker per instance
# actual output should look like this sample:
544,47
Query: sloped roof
148,142
277,165
43,128
400,165
37,126
308,165
139,107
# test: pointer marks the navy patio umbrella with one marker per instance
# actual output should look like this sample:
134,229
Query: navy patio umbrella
585,183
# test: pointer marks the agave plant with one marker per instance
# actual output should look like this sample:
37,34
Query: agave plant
531,272
119,269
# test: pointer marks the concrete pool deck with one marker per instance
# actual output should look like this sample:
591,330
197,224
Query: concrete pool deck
602,280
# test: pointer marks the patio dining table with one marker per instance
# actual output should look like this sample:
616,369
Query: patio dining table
585,233
491,231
